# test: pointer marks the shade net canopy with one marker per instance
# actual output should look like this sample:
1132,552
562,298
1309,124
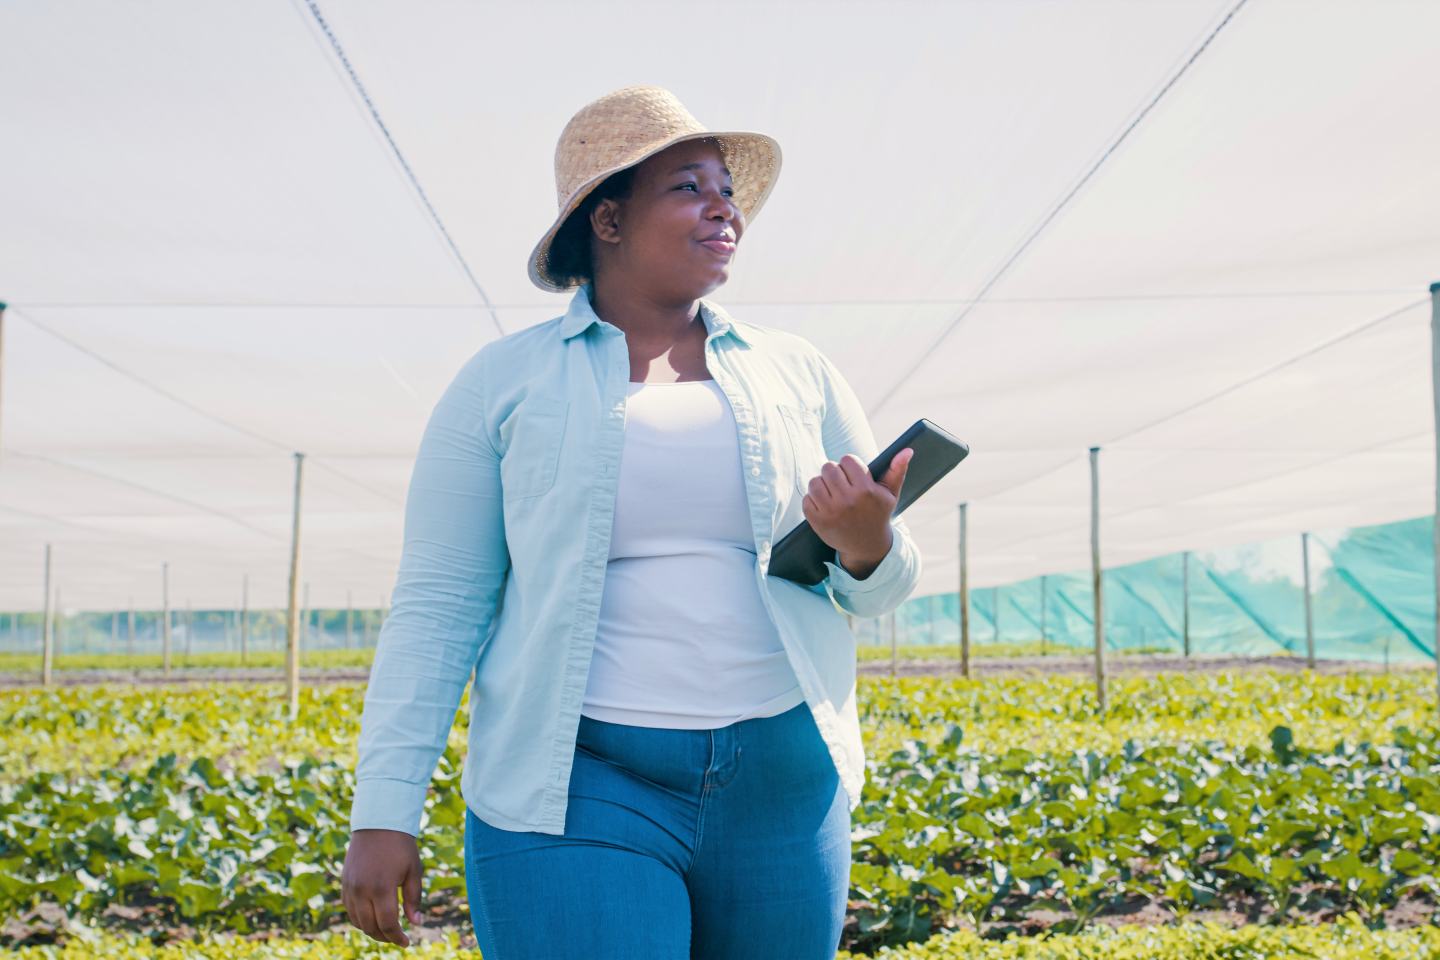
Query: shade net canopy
1198,235
1371,597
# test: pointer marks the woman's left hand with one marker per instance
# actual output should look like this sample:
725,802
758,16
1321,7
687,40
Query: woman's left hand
850,510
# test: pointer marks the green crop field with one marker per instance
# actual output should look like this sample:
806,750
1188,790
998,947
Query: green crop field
1204,815
361,657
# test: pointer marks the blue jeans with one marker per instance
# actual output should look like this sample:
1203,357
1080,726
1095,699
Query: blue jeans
678,844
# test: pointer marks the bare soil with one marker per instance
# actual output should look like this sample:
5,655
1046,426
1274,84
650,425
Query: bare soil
447,912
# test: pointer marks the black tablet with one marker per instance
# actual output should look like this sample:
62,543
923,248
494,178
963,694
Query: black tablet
801,555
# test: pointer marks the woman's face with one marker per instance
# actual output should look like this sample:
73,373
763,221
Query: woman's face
656,238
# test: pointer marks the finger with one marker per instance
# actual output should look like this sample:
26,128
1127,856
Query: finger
899,466
365,918
820,490
387,920
345,899
410,889
854,469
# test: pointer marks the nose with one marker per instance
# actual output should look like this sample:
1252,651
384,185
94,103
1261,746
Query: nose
722,207
719,202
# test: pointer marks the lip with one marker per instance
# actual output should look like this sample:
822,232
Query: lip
723,247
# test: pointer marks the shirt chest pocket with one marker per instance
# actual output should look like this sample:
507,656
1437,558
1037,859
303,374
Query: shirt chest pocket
529,465
804,442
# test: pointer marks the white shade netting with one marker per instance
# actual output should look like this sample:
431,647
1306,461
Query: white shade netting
1198,235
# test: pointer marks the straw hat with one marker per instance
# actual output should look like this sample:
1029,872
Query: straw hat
624,127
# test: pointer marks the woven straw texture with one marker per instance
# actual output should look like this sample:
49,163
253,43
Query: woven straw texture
624,127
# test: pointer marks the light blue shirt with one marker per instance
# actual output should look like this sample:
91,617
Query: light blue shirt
507,534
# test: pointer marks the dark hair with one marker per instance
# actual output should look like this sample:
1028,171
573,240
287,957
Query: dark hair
569,261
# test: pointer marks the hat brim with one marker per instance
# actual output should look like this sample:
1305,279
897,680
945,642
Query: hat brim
754,162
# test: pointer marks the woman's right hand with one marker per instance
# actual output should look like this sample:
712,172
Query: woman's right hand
377,862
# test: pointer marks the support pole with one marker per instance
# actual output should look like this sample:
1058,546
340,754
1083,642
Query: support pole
292,619
894,645
1096,578
1185,600
165,624
964,595
2,365
244,618
47,642
1435,385
59,625
1044,600
1309,606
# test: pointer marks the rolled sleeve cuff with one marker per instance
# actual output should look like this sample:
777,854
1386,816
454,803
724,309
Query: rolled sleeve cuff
885,572
888,585
381,804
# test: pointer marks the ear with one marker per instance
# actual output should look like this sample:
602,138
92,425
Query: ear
605,221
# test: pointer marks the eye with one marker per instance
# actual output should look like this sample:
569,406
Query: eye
728,190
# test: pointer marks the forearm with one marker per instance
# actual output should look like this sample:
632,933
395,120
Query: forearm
860,564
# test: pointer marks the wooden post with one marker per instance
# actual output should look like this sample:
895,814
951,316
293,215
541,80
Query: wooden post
2,365
165,624
1044,601
244,618
1096,577
964,595
47,642
292,620
59,626
894,645
1185,598
1435,387
1309,612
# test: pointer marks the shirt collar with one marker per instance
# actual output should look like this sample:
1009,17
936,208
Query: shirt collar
581,314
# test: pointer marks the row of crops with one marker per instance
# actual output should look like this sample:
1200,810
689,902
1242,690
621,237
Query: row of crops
29,663
998,805
1347,939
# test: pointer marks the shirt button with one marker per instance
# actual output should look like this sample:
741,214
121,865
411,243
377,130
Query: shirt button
755,471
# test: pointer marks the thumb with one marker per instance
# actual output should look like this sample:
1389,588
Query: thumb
899,466
410,890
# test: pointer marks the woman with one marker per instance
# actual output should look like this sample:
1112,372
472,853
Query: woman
663,747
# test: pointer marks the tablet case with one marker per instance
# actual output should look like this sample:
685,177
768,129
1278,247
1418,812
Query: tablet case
801,555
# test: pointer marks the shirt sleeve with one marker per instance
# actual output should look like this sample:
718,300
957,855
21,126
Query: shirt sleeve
452,567
846,430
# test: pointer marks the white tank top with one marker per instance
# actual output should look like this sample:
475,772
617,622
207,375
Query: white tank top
684,640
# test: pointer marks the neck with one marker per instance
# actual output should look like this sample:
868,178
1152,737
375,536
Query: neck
645,318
